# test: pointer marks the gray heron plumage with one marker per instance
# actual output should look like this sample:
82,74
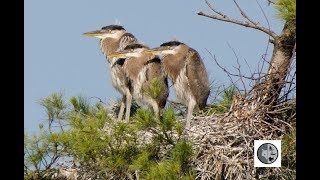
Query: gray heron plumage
115,38
144,71
184,66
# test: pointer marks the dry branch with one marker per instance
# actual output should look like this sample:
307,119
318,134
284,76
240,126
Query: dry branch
249,23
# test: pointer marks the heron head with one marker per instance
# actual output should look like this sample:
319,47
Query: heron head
171,47
131,50
111,31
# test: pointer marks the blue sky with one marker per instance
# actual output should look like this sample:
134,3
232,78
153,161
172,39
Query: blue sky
58,58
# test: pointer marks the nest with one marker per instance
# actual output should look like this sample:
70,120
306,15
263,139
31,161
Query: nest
224,143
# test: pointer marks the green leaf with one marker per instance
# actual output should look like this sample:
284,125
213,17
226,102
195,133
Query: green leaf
168,119
182,153
142,162
164,170
286,10
154,88
144,119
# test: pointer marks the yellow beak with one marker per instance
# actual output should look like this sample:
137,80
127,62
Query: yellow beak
116,55
93,33
153,52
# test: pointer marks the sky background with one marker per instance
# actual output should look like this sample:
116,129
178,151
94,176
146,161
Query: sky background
58,58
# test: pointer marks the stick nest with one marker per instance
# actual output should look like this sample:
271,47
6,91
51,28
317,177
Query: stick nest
224,143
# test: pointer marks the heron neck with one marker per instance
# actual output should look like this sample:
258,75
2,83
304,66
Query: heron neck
109,45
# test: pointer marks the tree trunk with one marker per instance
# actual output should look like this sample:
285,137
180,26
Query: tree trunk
284,49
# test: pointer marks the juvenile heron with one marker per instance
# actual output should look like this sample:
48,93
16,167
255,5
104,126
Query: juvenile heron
115,38
148,82
184,67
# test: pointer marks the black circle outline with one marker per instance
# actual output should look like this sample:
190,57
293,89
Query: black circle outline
270,144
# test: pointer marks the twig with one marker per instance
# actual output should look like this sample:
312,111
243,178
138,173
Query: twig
251,24
242,23
270,2
244,14
238,68
225,70
265,16
214,10
95,97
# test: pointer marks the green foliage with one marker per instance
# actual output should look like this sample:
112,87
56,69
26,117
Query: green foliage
176,163
145,119
166,169
108,152
107,147
41,150
142,162
289,150
163,128
223,105
175,166
228,95
154,88
181,153
286,10
116,107
168,120
80,104
54,105
288,157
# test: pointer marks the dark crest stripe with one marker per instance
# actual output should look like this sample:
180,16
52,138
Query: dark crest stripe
172,43
134,46
113,27
153,60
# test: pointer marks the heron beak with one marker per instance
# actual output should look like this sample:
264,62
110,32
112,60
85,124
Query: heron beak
117,55
97,33
152,51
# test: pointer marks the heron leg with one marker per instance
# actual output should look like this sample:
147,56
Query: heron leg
128,105
120,115
155,108
191,106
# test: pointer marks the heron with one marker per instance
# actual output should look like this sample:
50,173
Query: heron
185,68
115,38
149,84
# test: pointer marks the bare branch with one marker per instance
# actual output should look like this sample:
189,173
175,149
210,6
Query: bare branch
270,2
99,99
222,17
263,58
214,10
244,14
225,70
238,68
265,16
248,66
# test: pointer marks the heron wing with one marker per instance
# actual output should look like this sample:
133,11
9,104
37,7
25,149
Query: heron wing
197,77
172,66
133,66
155,72
125,40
